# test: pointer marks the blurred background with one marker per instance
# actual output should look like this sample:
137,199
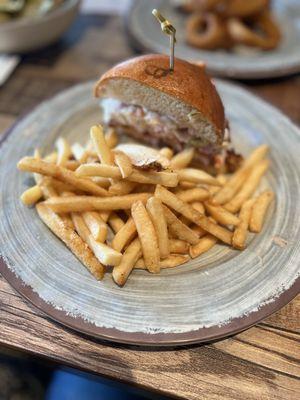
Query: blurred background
47,46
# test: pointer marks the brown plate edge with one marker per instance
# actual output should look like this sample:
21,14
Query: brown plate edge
215,72
144,339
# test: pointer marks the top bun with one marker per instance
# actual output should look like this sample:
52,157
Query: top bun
187,94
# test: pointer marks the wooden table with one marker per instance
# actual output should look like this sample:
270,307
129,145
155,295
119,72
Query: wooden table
260,363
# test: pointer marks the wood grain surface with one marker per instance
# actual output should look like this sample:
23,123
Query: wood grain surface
260,363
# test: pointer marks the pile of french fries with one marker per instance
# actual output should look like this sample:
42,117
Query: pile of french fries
110,212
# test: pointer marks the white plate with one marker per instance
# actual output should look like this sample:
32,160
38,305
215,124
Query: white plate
220,293
250,64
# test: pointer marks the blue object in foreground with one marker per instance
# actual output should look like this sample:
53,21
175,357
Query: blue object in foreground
72,386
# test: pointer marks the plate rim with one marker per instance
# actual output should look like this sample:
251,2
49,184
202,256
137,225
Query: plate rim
232,73
78,324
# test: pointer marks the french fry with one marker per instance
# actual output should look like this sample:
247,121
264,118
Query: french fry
71,240
71,164
259,210
51,157
178,228
115,222
96,225
240,233
60,186
221,215
249,187
172,201
124,235
79,153
63,151
124,164
222,179
103,151
187,185
103,182
120,188
31,164
213,190
199,207
131,255
182,159
166,152
164,178
198,230
204,244
92,203
46,185
111,138
156,213
31,195
172,261
232,186
197,176
147,236
105,254
196,194
178,246
104,215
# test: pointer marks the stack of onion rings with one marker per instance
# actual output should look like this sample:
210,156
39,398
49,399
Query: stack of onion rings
216,24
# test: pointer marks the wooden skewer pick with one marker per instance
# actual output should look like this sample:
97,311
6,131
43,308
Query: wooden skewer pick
168,29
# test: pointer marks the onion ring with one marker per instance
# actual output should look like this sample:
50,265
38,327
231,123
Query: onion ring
264,34
207,31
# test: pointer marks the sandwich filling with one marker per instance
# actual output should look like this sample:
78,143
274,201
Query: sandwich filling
161,130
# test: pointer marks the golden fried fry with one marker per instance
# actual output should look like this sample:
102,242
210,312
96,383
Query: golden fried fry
63,151
182,159
197,176
248,187
196,194
199,207
131,255
96,225
92,203
124,164
105,254
30,164
111,138
78,247
234,183
178,228
156,212
172,261
259,210
178,246
171,200
166,152
240,233
121,188
115,222
124,235
205,244
102,149
147,236
164,178
31,195
221,215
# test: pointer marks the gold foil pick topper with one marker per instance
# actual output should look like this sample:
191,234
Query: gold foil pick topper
169,30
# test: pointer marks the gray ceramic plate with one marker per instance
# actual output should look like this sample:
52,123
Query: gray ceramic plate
247,64
221,293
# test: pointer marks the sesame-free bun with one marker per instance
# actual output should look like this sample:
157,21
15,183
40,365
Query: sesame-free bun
187,94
